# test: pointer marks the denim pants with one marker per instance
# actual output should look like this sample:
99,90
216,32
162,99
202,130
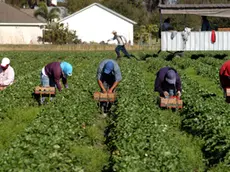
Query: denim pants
46,82
107,84
171,92
123,49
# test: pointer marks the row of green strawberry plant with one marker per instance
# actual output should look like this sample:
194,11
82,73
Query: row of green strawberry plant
205,114
143,137
203,69
66,135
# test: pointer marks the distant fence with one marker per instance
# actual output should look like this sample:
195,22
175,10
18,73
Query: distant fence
224,29
77,47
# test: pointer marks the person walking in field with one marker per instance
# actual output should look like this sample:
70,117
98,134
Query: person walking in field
121,40
168,82
6,73
224,76
53,72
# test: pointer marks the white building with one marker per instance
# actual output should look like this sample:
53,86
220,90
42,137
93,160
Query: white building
96,22
17,27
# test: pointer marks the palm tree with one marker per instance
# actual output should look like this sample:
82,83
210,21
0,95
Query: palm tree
43,12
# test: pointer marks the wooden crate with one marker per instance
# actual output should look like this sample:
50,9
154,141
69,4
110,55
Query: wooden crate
44,90
173,102
104,97
228,92
2,87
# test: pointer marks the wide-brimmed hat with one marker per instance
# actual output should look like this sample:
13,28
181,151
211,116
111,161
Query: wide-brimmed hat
171,77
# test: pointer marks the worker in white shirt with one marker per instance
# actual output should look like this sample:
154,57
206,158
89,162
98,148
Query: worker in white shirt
121,40
6,73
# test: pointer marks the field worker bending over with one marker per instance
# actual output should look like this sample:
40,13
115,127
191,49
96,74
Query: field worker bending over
224,75
53,72
108,75
121,40
168,82
6,73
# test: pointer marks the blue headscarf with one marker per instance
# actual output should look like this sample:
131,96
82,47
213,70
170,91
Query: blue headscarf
67,68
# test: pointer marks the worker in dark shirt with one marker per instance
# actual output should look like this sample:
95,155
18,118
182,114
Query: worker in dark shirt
53,72
205,26
168,82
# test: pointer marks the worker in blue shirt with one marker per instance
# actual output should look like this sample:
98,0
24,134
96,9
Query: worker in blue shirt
108,75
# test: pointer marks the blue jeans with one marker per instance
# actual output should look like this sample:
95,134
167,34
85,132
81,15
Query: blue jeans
107,84
171,92
46,81
123,49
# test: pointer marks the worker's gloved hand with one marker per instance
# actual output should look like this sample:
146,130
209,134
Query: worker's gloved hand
66,86
166,94
178,93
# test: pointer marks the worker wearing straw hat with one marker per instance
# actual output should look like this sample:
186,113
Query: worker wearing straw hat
121,40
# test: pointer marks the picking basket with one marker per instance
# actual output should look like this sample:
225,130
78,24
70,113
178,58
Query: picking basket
172,102
45,90
228,92
104,97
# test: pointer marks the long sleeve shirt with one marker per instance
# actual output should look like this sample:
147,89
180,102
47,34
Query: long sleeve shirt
161,84
121,40
7,76
116,72
224,74
53,70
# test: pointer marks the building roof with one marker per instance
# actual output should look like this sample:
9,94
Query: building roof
104,8
215,10
11,15
193,6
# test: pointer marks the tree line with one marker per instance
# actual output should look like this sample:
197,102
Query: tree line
144,12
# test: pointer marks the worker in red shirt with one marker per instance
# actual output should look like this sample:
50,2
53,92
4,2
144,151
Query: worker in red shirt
224,75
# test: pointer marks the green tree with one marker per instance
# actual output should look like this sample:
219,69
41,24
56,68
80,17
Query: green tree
57,33
75,5
146,33
43,11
